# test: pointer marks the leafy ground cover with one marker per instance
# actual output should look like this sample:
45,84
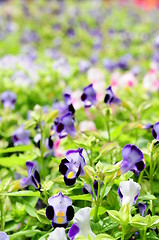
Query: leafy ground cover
79,130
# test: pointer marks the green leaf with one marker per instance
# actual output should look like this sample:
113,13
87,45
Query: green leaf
14,160
41,215
138,222
87,197
147,197
115,216
108,147
17,149
27,233
49,117
104,237
22,194
153,222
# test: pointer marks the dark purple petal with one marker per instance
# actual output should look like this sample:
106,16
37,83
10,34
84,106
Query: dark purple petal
73,231
140,166
62,167
69,213
50,212
131,156
142,208
69,181
136,197
60,127
155,131
55,225
120,194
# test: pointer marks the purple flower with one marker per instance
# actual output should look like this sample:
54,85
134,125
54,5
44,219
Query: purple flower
33,177
123,62
8,99
65,126
72,166
110,98
132,159
142,208
60,210
21,136
3,236
84,65
81,225
109,64
89,96
48,142
88,189
155,131
128,192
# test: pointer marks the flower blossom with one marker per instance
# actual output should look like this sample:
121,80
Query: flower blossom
81,225
128,192
72,166
33,177
132,159
60,210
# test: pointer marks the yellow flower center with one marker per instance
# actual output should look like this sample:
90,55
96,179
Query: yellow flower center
60,216
70,175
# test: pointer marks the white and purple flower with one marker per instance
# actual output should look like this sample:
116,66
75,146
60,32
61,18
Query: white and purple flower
65,125
155,131
128,192
8,99
142,208
21,136
33,177
72,166
81,225
60,210
132,159
89,96
110,97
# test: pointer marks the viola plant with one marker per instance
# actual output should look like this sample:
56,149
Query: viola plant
79,122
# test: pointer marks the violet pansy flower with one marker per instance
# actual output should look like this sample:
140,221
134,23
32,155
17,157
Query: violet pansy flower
72,166
88,189
58,234
142,208
60,210
8,99
89,96
64,107
110,97
33,177
155,131
132,159
65,126
21,136
3,236
81,225
128,192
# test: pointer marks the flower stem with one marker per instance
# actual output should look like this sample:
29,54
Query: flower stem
42,151
123,233
2,215
151,180
108,125
95,217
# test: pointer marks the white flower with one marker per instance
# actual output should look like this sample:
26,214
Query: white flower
129,192
3,236
58,234
81,225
